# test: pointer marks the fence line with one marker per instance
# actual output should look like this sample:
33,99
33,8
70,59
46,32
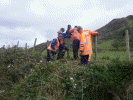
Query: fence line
126,41
95,48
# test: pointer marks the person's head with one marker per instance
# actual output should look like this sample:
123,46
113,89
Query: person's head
75,27
79,29
68,27
62,29
60,36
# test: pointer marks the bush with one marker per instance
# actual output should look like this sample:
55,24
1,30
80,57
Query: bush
106,57
63,79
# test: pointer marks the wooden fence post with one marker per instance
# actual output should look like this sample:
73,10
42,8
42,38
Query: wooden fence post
25,48
95,47
127,45
17,44
26,57
47,43
8,46
9,49
3,48
34,44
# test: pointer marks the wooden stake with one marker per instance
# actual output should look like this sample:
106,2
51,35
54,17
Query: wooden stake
34,44
17,44
26,48
96,47
127,45
8,46
3,49
3,46
47,43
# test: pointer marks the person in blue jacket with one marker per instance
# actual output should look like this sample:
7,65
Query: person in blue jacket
65,40
61,52
54,46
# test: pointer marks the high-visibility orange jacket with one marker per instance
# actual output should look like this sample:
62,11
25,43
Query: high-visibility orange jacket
56,46
75,35
86,41
62,41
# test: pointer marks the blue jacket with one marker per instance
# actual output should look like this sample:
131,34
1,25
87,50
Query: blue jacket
54,42
64,35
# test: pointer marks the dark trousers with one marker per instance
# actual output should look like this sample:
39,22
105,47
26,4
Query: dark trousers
61,53
50,55
84,59
75,48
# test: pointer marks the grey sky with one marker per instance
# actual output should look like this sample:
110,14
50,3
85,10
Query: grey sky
25,20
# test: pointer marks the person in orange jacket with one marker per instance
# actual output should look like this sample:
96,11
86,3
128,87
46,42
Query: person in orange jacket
76,40
54,46
86,45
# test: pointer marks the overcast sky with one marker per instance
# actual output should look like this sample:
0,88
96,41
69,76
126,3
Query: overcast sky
25,20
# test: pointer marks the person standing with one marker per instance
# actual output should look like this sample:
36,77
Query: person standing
61,52
61,31
86,45
75,38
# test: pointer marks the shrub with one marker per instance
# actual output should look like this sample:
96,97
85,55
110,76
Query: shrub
63,79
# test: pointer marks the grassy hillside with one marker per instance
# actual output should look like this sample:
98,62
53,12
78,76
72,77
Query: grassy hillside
116,25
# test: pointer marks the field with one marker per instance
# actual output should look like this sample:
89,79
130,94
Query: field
109,55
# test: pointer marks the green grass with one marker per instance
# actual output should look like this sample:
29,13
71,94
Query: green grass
109,55
106,45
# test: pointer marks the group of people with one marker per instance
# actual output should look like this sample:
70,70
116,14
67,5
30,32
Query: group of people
81,39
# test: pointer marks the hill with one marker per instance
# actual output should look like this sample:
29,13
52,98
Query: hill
117,26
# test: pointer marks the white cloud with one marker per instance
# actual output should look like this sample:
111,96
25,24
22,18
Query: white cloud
64,3
5,3
36,8
24,35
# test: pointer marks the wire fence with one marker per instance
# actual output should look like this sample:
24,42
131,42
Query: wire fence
115,43
123,44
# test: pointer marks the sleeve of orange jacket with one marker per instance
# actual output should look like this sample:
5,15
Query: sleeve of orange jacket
82,42
94,33
71,30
